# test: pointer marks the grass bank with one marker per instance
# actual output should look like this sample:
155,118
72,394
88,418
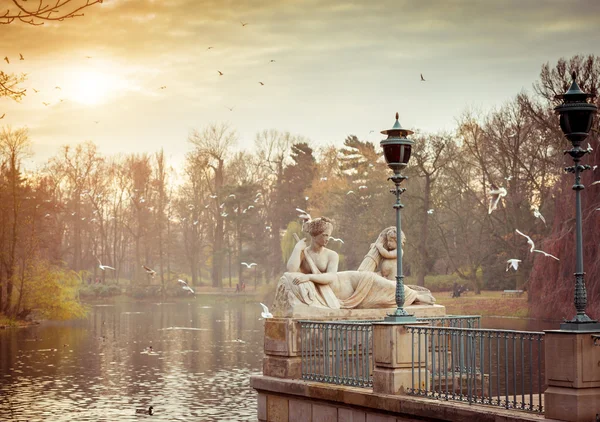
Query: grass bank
488,303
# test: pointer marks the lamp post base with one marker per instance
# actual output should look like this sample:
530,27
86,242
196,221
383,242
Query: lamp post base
590,325
400,316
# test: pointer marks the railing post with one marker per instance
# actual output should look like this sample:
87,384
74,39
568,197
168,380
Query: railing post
393,358
572,375
282,348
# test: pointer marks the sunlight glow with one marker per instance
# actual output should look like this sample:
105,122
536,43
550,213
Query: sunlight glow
91,87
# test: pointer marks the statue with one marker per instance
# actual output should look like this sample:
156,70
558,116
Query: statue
313,279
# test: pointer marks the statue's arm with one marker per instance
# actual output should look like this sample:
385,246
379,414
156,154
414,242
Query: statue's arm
324,278
295,260
393,254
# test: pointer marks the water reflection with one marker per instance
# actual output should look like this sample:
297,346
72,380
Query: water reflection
203,353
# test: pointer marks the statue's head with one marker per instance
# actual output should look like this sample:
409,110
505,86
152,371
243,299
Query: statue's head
390,238
318,226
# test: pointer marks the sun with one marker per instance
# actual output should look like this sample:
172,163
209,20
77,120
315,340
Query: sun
91,87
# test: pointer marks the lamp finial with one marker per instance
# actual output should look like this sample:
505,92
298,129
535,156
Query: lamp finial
397,116
574,75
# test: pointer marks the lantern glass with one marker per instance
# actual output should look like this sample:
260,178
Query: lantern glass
576,121
397,154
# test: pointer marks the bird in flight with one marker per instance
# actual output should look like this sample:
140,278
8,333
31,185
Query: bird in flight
513,263
349,192
104,267
495,195
529,240
265,313
88,57
430,211
163,87
21,57
304,215
546,253
185,286
244,23
422,78
261,83
538,214
209,48
58,87
230,108
149,270
252,264
6,59
272,61
46,104
35,90
220,73
96,121
2,117
363,187
337,239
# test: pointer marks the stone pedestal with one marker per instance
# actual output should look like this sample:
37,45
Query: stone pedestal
393,358
573,376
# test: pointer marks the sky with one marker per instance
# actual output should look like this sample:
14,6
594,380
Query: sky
329,68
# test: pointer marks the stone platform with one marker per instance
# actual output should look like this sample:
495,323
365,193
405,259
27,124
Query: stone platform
318,313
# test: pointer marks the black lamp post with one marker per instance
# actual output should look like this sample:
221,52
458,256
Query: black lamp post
576,117
396,150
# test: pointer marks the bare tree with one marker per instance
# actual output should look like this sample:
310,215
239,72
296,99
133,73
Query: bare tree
43,10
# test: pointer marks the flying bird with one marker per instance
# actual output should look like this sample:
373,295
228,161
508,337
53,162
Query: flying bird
422,78
212,196
337,239
149,270
513,263
349,192
272,61
529,240
244,23
58,87
538,214
163,87
209,48
185,286
2,117
546,253
304,215
6,59
21,57
261,83
46,104
265,313
495,195
252,264
88,57
104,267
430,211
362,187
35,90
220,73
595,183
231,195
230,108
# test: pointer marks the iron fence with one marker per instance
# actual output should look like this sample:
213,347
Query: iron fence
492,367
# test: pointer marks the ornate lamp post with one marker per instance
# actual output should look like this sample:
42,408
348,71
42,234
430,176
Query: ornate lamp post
396,150
576,117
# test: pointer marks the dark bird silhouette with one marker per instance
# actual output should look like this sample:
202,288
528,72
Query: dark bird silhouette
96,121
230,108
35,90
422,78
149,411
209,48
88,57
46,104
244,24
272,61
58,87
220,73
21,57
6,58
261,83
163,87
2,117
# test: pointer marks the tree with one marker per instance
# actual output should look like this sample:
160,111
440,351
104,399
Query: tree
215,143
43,11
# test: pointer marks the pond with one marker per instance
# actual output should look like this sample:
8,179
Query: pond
101,369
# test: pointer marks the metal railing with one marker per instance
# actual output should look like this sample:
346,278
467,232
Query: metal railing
337,352
492,367
340,352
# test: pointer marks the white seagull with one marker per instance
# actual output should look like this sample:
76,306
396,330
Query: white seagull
529,240
349,192
538,214
337,239
546,253
265,313
430,211
252,264
513,263
495,195
304,215
185,286
104,267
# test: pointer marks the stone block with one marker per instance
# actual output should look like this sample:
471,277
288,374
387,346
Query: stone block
572,404
282,337
262,406
300,410
323,413
351,415
374,417
282,367
393,345
397,381
277,409
572,360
